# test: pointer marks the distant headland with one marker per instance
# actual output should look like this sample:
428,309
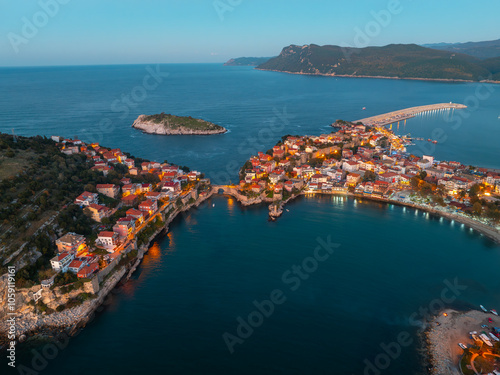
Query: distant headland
167,124
395,61
247,61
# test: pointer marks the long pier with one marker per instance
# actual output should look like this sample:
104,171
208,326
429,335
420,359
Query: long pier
403,114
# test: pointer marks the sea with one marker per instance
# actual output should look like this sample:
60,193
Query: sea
335,286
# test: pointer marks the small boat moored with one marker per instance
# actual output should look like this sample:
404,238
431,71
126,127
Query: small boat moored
493,337
483,308
494,312
485,339
462,346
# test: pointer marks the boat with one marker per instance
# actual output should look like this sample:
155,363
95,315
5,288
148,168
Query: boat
494,312
485,339
287,210
483,308
434,142
364,108
474,337
490,320
484,326
213,205
493,337
462,346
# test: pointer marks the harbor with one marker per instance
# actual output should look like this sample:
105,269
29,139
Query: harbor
403,114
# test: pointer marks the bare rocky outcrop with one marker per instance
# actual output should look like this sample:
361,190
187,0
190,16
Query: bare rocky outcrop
151,127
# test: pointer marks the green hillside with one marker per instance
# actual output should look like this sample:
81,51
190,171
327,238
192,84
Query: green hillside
482,50
400,61
247,61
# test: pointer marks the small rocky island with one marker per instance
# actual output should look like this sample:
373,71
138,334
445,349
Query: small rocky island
167,124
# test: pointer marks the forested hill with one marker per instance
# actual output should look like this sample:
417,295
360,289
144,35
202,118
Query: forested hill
395,61
246,61
481,50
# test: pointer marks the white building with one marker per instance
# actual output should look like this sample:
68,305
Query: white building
62,261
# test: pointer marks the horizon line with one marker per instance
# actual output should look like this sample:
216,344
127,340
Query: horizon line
113,64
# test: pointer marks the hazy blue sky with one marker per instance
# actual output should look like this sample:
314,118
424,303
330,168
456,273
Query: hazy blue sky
166,31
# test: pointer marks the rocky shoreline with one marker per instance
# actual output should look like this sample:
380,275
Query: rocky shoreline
151,127
70,321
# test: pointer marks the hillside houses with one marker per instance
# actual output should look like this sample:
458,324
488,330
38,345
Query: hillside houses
143,188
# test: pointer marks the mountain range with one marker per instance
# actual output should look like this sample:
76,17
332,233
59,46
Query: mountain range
443,62
481,50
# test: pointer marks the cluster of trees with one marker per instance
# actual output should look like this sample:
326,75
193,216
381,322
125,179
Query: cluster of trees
148,231
33,274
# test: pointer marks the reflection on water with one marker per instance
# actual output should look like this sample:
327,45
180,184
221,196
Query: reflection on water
153,255
230,205
171,243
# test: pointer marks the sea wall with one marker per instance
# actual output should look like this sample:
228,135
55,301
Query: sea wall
29,323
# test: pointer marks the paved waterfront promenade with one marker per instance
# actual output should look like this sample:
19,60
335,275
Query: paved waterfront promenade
403,114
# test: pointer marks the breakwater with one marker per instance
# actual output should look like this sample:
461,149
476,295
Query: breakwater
403,114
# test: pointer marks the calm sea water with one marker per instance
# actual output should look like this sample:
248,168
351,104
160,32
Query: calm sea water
194,283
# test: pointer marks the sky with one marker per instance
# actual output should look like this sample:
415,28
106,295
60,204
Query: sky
94,32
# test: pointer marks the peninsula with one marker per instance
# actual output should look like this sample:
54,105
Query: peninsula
83,218
70,248
367,160
167,124
246,61
396,61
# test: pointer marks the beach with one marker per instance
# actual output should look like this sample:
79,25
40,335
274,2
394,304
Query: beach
445,332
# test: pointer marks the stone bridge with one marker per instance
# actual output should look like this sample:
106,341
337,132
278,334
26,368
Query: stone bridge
225,189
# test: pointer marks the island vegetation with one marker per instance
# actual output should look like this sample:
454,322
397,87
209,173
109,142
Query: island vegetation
168,124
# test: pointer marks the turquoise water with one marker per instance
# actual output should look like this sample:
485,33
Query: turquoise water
194,284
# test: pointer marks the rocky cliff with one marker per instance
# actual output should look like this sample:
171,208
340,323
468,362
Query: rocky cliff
174,125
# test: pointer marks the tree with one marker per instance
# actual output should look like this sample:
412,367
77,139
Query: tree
477,208
369,176
474,190
414,181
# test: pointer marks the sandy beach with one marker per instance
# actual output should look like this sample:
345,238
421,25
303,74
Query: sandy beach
443,338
